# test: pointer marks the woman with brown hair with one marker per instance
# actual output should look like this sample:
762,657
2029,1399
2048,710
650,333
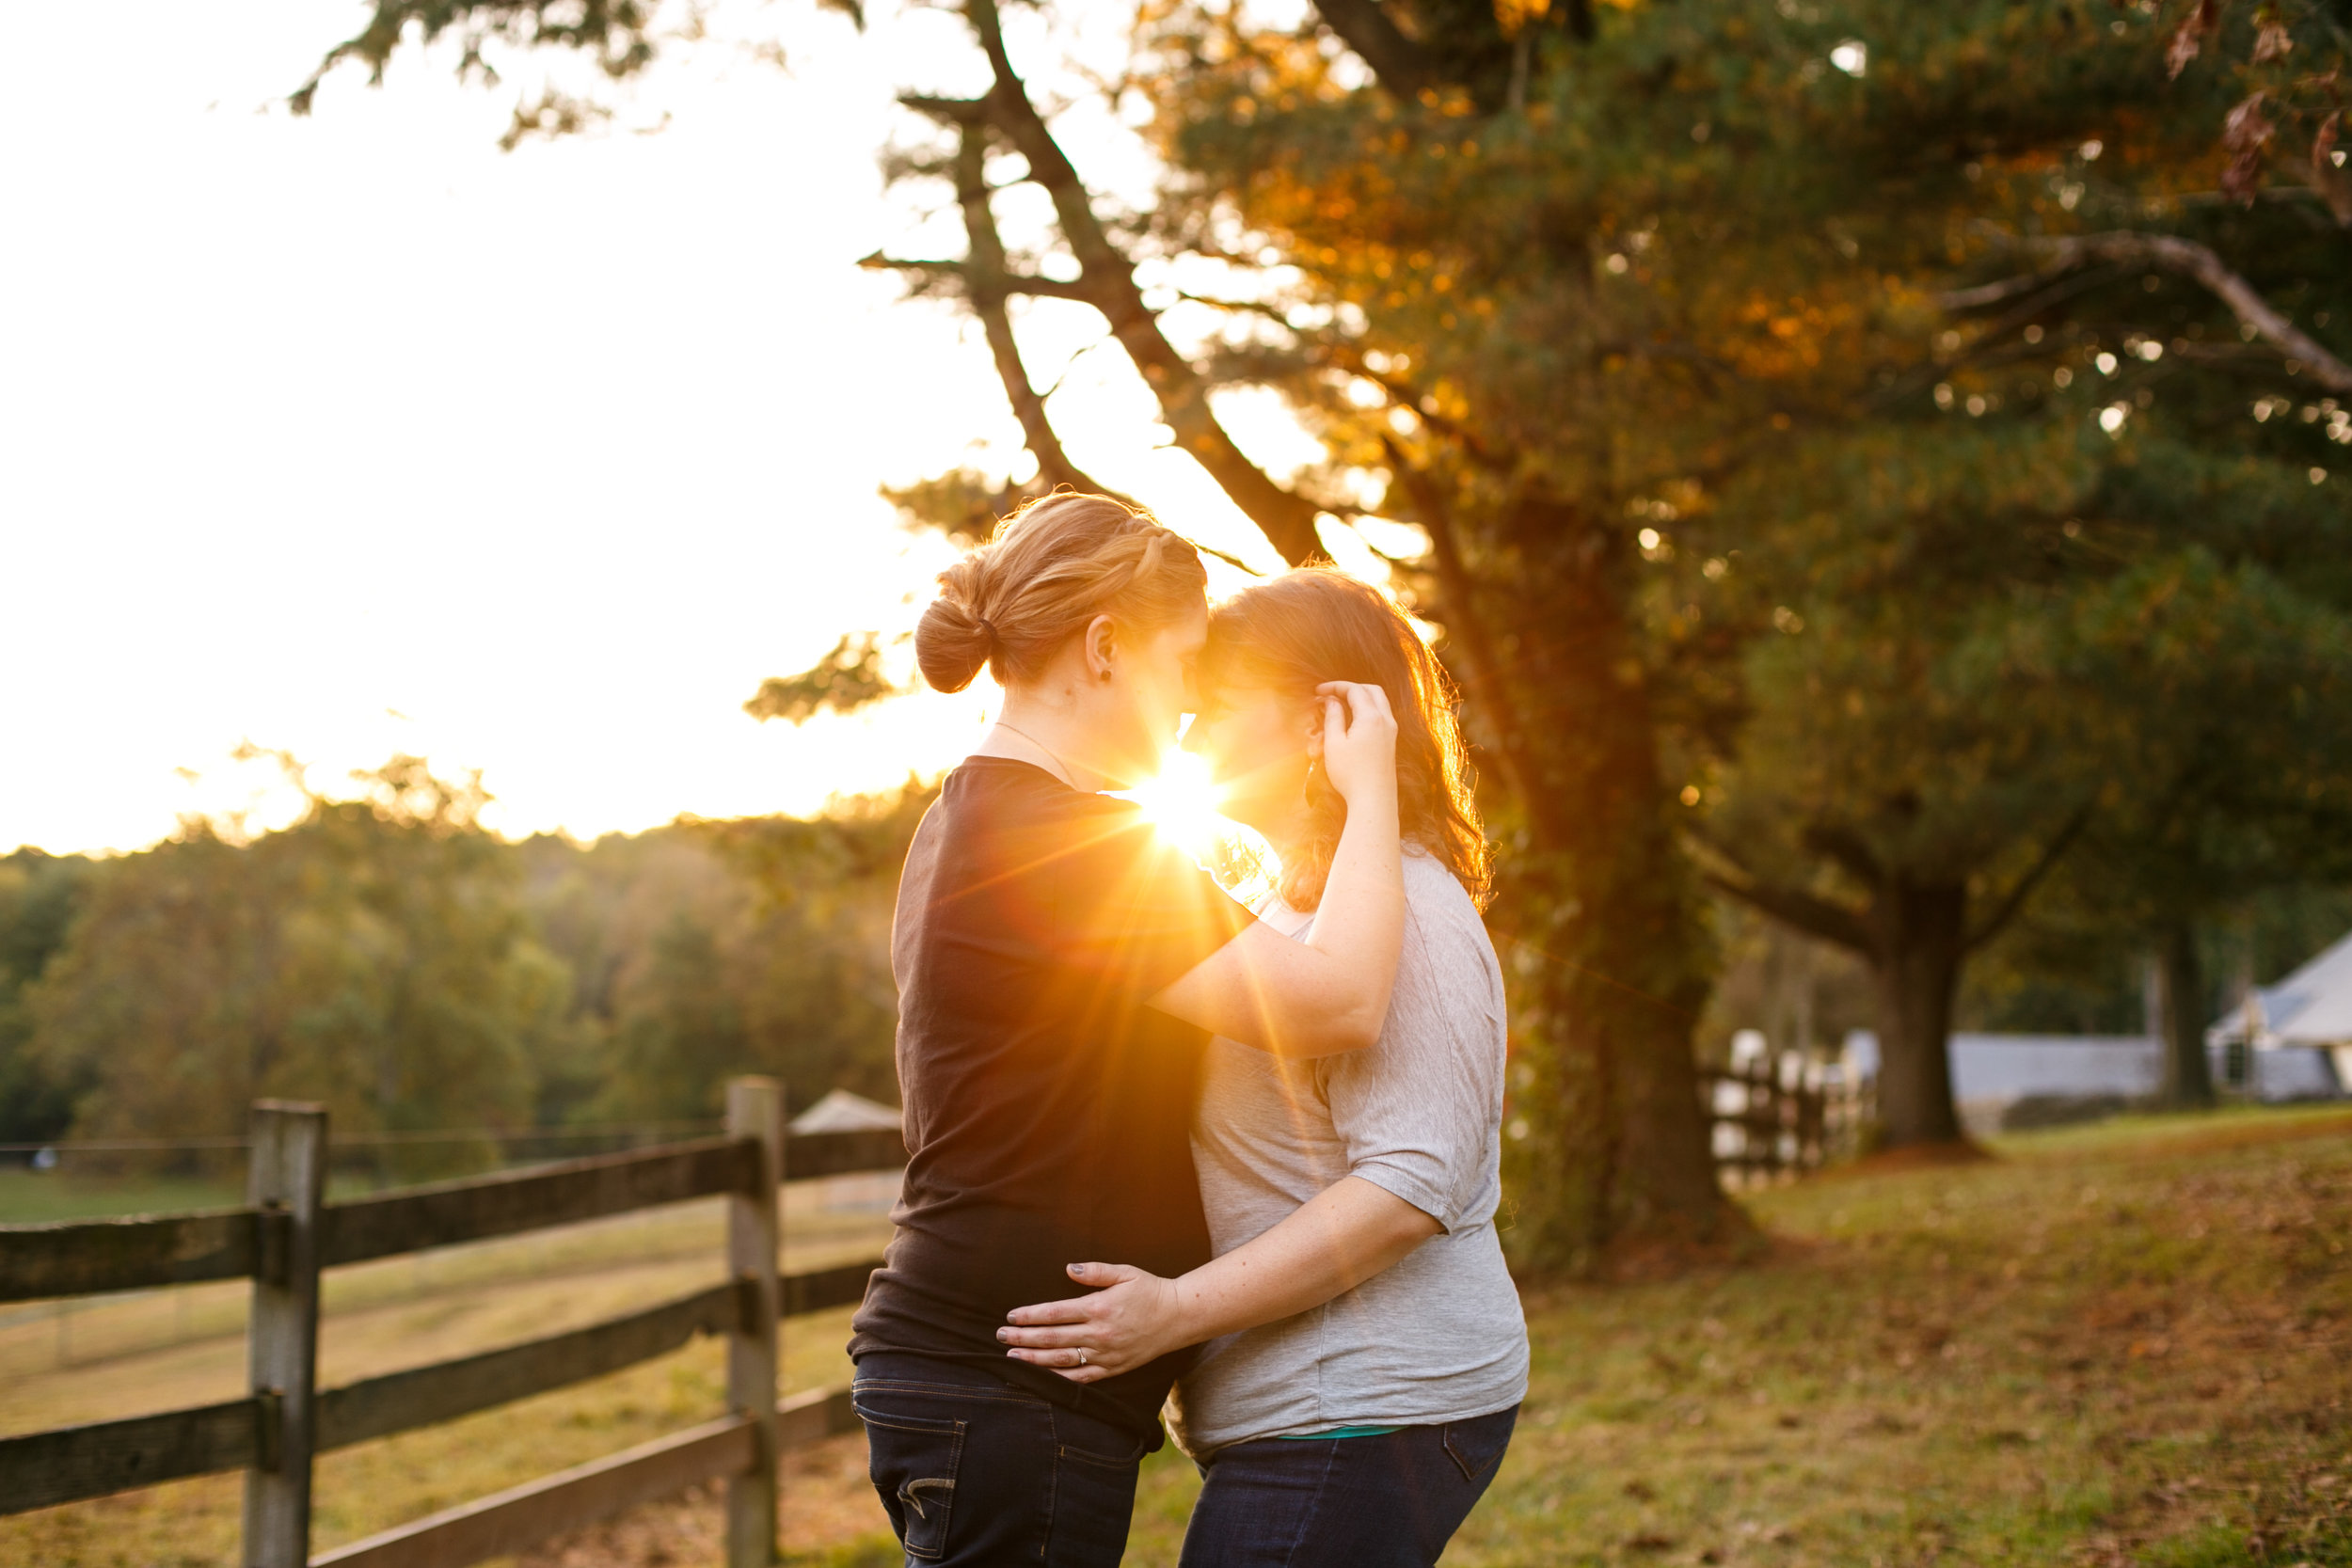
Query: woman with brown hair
1062,969
1365,1369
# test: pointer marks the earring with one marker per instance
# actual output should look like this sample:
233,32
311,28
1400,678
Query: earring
1106,674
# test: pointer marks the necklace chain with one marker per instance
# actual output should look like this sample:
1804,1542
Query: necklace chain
1059,765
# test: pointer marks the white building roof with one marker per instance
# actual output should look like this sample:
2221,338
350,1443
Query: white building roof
844,1112
2310,1006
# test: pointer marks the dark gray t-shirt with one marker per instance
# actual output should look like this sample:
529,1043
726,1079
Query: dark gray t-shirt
1437,1336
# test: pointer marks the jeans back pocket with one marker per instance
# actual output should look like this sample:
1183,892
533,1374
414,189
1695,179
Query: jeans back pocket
912,1460
1477,1444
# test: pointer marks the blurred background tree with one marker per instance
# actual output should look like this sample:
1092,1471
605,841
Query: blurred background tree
389,957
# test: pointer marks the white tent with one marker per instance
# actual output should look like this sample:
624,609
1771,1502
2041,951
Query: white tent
2311,1010
844,1112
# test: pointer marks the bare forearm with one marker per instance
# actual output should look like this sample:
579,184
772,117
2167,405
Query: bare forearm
1337,1240
1360,921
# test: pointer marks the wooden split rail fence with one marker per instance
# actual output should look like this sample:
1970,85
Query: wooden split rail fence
1772,1117
287,1233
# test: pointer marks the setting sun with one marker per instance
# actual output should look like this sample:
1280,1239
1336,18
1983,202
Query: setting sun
1181,802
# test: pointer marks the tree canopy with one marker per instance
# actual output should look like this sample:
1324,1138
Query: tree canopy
1869,458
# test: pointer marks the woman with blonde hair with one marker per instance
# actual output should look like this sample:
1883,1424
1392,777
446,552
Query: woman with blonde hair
1062,969
1349,1412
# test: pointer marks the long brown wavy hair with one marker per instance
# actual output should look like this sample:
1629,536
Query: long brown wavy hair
1315,625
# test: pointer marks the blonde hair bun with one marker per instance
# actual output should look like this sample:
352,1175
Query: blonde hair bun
952,641
1053,566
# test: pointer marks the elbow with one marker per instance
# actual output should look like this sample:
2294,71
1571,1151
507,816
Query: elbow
1345,1029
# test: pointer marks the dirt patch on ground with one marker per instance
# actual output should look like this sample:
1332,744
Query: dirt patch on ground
827,1500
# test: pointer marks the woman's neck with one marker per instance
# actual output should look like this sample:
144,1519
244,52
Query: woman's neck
1049,738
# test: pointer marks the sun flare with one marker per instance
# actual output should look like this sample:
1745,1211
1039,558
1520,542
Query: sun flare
1181,802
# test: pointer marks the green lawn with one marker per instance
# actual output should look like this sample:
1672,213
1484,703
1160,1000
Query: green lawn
2118,1345
38,1197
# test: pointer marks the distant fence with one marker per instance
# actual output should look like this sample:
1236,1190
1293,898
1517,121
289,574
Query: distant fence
1774,1116
286,1234
364,1154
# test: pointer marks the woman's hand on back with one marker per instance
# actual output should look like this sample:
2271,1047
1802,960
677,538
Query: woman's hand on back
1359,741
1132,1317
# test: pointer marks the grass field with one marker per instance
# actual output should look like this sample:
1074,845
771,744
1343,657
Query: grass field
2120,1345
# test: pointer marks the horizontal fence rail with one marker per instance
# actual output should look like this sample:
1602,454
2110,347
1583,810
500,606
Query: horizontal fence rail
42,1469
514,1521
282,1243
82,1257
90,1257
814,1154
422,1395
478,1208
45,1469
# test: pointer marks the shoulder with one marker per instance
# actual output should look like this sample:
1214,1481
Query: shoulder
1432,895
1005,794
1445,934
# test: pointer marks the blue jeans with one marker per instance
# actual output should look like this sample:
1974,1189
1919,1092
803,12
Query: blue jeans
1345,1502
976,1472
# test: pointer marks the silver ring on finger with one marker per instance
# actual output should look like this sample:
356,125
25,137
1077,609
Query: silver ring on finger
1082,1356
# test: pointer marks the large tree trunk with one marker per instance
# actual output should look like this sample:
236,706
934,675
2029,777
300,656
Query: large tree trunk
2187,1075
1607,934
1919,942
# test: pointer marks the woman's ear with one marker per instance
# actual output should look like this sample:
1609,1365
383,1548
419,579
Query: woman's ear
1102,645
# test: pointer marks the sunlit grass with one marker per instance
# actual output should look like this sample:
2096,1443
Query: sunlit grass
2114,1346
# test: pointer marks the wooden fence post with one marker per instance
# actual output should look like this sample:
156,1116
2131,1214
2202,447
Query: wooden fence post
287,1185
755,1110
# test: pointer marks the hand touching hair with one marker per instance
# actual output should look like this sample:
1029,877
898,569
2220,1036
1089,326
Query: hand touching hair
1314,624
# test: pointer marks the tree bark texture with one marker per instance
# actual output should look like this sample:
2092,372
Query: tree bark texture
1919,942
2188,1073
1602,921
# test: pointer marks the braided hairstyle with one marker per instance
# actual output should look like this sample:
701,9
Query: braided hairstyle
1051,567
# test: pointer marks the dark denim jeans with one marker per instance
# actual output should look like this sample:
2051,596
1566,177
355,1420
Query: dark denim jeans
1345,1502
977,1471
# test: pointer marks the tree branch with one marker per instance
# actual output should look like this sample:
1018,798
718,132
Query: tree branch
1846,847
1819,917
1460,615
1417,404
2199,263
1107,277
2051,852
1248,307
988,285
1402,65
960,274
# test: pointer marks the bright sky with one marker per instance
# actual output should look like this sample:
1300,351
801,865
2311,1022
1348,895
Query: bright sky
353,434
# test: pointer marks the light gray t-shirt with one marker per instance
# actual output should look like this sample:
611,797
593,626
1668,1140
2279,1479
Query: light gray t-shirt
1439,1337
